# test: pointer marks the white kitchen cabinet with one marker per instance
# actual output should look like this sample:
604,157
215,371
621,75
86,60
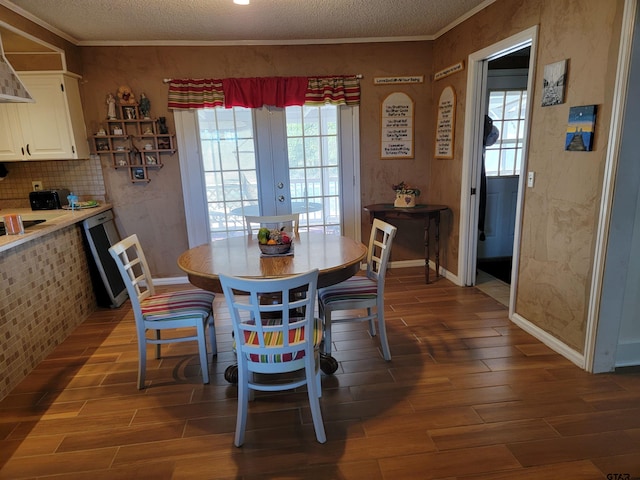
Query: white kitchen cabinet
51,128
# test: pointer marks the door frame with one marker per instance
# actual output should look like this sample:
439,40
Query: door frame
472,153
603,315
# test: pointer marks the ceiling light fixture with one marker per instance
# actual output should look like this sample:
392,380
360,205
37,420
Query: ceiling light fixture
241,2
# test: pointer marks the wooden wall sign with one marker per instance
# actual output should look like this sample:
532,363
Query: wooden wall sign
396,80
445,127
450,70
397,127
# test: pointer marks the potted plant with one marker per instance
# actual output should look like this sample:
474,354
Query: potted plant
405,195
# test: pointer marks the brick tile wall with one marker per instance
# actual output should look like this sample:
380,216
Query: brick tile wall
45,293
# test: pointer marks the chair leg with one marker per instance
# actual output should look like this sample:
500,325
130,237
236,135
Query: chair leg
243,405
325,316
212,335
158,353
142,361
372,323
384,342
314,402
202,349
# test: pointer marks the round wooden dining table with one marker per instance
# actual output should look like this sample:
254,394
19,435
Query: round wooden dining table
336,258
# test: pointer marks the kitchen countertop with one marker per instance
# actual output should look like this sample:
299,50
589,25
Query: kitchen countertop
54,220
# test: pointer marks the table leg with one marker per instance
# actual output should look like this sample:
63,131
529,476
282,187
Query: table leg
426,249
437,220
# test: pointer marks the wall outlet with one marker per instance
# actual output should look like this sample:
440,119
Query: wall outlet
36,185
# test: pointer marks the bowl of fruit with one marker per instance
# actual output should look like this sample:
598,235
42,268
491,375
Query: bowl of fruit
273,242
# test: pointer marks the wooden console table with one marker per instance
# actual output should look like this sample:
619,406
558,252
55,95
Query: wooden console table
426,213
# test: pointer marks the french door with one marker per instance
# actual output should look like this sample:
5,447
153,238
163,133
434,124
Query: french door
269,161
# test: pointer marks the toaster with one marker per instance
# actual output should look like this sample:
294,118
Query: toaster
49,199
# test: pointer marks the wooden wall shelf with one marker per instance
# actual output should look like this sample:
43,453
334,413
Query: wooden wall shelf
134,144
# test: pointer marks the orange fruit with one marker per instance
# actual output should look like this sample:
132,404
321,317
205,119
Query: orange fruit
272,242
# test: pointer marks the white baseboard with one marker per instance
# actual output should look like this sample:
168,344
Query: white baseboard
420,263
549,340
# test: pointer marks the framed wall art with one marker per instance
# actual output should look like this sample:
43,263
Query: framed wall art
581,128
555,78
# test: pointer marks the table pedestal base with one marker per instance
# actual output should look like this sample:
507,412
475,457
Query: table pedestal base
328,365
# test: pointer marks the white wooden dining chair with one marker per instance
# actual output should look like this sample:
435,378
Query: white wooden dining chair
281,336
273,221
162,311
362,292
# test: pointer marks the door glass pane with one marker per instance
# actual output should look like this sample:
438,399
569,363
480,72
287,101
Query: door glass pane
229,164
508,110
312,140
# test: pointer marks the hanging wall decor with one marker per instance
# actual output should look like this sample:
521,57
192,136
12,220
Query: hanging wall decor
445,127
397,127
581,129
555,79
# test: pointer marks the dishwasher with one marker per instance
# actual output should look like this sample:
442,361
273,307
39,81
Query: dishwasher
100,234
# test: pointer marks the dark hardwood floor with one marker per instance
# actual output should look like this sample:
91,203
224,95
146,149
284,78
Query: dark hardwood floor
468,395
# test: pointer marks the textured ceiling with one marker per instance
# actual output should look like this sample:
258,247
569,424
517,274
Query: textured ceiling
99,22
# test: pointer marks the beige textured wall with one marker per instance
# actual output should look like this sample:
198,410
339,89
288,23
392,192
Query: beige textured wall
561,211
155,210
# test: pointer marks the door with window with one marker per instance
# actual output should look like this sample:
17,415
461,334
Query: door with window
502,160
268,161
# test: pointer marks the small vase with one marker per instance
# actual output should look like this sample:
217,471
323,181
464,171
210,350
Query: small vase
405,200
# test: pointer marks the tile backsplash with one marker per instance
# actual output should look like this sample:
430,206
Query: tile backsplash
82,177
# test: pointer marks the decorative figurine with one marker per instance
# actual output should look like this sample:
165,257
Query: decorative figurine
145,105
111,110
126,95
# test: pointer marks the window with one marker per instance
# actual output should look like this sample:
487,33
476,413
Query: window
508,109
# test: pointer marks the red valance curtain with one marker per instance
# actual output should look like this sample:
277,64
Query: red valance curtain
259,91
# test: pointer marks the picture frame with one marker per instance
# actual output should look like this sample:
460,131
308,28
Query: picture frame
138,173
581,128
554,83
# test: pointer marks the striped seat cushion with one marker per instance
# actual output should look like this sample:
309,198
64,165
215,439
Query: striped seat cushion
173,305
354,288
274,339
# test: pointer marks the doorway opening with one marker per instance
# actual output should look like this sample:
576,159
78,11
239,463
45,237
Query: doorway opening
499,82
503,141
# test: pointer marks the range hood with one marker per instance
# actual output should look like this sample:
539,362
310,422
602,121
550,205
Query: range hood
12,90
